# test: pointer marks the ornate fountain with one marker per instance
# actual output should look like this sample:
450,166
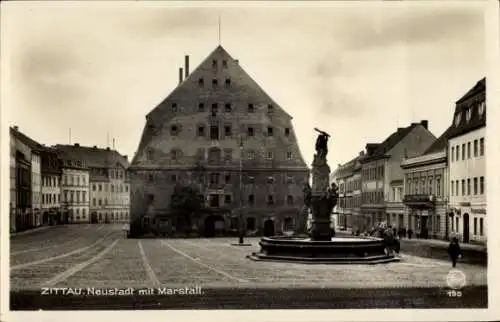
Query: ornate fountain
321,246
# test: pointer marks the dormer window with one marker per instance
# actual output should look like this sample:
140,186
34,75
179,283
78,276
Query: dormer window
458,118
174,130
468,114
175,153
481,108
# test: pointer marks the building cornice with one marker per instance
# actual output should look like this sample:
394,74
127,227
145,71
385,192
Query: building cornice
423,160
216,168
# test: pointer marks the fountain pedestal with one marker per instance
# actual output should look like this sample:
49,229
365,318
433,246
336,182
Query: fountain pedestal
322,247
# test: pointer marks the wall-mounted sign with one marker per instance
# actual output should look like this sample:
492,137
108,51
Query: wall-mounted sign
478,211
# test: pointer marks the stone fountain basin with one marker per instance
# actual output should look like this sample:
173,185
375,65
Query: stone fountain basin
347,250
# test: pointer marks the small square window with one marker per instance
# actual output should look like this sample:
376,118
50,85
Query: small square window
270,200
227,199
214,64
227,177
227,130
251,108
201,107
214,82
270,108
174,107
151,178
251,199
270,131
228,82
224,63
173,177
250,131
227,107
201,82
201,130
270,155
289,155
287,131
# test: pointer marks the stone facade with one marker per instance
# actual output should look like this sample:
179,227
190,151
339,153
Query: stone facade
106,187
426,195
36,189
216,122
467,166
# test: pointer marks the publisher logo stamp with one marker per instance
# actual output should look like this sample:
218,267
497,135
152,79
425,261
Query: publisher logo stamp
455,279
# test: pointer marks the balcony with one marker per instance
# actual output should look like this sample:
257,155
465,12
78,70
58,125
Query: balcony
424,200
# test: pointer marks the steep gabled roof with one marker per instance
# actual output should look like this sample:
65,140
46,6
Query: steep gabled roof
208,86
473,102
440,143
94,157
234,69
476,89
32,144
390,142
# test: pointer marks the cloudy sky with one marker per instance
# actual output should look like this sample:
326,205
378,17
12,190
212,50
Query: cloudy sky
356,71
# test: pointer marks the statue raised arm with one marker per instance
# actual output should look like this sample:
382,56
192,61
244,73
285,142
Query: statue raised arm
322,143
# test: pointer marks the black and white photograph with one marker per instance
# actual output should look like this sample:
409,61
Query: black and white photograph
187,156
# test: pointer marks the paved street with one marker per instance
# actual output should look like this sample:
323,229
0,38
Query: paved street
83,255
101,256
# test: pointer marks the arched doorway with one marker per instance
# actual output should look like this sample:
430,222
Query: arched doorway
466,228
214,225
269,227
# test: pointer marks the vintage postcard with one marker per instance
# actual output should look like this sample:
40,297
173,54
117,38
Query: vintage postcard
295,160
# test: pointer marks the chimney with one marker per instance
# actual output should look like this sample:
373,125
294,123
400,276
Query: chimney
77,145
180,75
186,67
108,149
425,124
16,128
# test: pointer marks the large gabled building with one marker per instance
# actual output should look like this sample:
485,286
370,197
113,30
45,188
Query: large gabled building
217,117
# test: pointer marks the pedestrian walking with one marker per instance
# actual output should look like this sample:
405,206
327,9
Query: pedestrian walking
454,251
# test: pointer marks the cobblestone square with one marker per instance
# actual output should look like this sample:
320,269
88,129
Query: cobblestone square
101,256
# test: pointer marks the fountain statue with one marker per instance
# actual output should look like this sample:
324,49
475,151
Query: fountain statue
321,246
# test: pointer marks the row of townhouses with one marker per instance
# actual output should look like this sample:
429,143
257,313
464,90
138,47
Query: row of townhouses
65,184
435,187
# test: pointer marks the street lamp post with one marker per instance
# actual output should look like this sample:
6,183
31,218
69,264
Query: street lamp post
241,241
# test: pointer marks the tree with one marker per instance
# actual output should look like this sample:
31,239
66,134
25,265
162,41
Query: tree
185,204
